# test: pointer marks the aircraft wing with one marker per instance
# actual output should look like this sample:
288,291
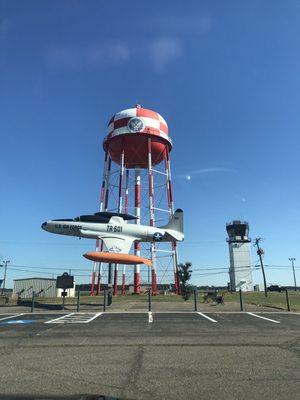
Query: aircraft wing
117,243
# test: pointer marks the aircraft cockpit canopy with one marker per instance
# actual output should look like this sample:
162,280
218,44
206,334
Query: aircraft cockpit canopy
92,218
103,217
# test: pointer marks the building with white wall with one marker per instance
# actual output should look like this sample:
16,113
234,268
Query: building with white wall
43,287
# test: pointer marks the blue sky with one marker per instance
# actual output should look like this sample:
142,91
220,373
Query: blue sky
225,76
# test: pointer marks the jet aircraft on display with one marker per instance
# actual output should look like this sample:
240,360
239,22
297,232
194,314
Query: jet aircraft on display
117,234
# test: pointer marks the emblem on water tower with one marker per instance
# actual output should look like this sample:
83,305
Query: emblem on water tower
135,125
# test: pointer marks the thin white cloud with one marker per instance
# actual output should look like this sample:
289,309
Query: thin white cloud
213,169
162,51
204,171
82,56
169,46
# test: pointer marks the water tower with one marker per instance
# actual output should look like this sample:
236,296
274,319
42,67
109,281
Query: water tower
137,180
240,271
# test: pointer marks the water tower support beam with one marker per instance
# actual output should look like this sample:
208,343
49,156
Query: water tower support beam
120,205
126,212
102,199
105,205
152,218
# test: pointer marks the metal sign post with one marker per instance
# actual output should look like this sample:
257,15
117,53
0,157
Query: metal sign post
78,300
63,294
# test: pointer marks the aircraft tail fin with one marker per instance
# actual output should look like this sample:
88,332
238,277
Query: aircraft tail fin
175,226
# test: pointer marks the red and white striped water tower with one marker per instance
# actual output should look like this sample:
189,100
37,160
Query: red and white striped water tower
137,180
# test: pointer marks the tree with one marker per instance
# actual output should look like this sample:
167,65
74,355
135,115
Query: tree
184,275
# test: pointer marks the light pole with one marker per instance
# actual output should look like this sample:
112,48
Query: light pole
5,270
292,259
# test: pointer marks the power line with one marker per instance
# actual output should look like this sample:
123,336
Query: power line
269,266
43,272
47,268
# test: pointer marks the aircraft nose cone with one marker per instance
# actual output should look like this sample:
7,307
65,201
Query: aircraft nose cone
43,226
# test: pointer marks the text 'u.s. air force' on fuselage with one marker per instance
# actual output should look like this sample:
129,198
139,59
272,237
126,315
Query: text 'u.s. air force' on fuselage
116,233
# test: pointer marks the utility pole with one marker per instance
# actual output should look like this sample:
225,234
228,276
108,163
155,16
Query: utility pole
5,271
260,252
292,259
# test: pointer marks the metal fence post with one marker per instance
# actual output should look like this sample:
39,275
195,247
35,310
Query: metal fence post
287,300
78,300
104,300
195,300
149,300
32,301
63,299
109,297
241,300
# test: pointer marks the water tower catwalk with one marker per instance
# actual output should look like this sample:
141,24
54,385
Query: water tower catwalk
137,180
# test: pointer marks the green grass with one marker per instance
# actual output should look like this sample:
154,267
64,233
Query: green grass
143,298
274,299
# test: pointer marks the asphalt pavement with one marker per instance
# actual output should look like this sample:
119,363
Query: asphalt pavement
145,355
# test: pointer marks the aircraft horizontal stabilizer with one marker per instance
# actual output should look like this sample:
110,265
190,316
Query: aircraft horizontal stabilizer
174,235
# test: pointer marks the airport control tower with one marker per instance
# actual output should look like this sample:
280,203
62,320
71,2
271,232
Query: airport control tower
240,271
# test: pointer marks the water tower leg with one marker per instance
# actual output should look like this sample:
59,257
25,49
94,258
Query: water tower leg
105,190
120,207
171,210
137,279
116,280
137,247
126,212
124,280
99,278
92,292
153,281
152,218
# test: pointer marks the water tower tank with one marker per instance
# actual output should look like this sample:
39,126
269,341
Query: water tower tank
129,131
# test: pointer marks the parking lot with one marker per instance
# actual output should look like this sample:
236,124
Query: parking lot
150,355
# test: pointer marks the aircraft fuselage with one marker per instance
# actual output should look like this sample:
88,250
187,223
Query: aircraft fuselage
94,230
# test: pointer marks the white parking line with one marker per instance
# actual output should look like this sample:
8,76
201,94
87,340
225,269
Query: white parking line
94,317
56,320
205,316
260,316
150,317
12,316
75,318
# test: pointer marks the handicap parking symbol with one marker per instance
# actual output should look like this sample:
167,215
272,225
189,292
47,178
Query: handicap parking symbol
19,321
